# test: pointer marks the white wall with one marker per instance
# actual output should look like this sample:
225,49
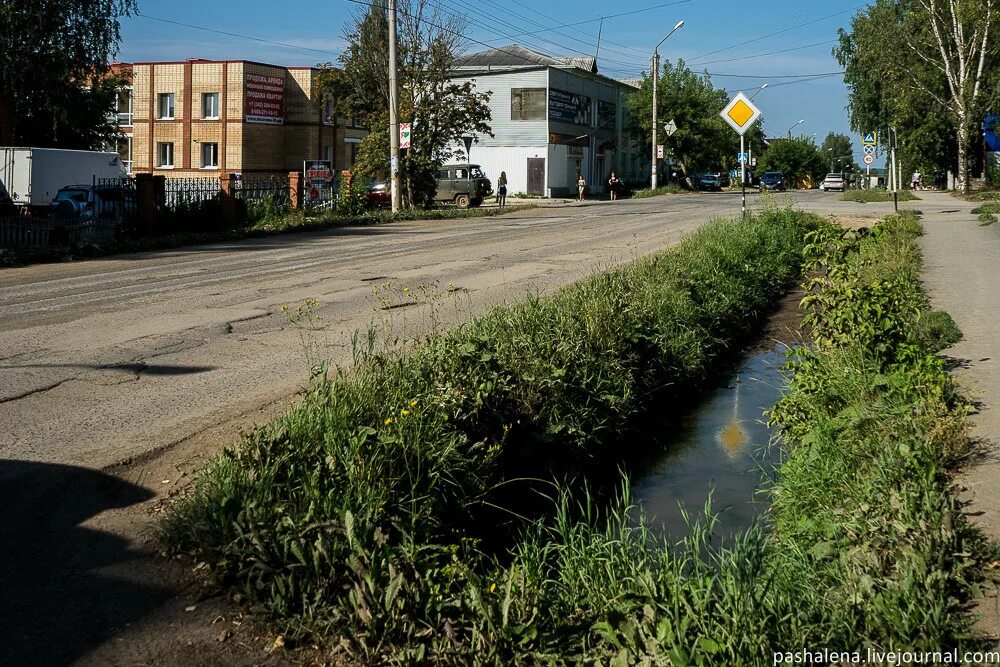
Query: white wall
512,159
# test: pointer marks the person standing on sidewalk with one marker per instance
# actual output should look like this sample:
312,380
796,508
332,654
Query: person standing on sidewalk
502,189
613,185
915,181
581,184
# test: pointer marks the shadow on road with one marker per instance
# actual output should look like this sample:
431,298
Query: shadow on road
63,587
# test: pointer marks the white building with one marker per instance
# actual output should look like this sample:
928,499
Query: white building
553,118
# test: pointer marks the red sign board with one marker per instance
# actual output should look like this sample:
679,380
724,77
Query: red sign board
264,99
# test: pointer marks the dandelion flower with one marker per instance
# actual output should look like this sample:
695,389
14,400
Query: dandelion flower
388,420
404,412
413,402
493,587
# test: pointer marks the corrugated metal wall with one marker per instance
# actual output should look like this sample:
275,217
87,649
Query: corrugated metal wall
509,132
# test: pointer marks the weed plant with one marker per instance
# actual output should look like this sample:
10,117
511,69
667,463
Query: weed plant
362,512
668,189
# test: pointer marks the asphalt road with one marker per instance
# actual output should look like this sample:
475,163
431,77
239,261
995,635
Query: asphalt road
109,359
120,376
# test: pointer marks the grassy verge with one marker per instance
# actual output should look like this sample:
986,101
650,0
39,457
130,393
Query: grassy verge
363,512
867,548
297,221
669,189
871,196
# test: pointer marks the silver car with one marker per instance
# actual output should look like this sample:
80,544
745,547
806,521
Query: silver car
833,182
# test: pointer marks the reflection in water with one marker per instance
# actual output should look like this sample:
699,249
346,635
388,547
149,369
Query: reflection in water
720,446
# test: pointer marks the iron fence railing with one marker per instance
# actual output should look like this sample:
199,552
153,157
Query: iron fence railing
28,233
179,192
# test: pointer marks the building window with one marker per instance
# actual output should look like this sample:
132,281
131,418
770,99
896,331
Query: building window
210,106
354,153
328,112
124,148
210,156
328,154
165,106
124,110
527,104
356,122
165,155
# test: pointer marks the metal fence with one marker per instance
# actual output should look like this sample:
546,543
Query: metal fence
21,232
181,192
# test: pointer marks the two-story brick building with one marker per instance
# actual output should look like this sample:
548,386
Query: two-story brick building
200,117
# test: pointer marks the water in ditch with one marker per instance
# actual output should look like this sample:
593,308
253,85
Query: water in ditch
720,446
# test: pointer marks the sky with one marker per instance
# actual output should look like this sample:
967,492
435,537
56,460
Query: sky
742,43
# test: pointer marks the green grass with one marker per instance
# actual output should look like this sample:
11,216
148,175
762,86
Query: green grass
358,516
871,196
987,213
360,511
669,189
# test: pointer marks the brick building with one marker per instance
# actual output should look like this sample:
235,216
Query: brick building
201,117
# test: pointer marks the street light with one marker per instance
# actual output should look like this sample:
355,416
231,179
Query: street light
749,160
795,126
656,76
759,90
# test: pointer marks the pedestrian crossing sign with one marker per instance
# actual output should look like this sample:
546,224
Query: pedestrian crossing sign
870,139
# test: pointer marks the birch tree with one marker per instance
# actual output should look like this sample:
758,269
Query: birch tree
912,62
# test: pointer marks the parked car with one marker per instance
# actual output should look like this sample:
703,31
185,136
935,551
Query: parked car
772,180
378,195
707,182
90,202
464,184
833,182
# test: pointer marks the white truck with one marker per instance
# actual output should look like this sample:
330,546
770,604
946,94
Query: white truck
31,177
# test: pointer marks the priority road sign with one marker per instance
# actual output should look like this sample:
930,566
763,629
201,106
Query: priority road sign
740,113
870,139
869,150
869,158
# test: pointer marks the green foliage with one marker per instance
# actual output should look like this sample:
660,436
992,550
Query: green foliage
838,151
357,512
797,159
937,331
702,140
54,57
440,110
875,195
669,189
351,200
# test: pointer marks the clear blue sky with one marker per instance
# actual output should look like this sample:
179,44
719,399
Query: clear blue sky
311,32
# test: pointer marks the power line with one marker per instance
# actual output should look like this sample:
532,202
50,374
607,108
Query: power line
233,34
761,55
780,32
774,76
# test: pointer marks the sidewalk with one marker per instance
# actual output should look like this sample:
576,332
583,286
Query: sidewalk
962,276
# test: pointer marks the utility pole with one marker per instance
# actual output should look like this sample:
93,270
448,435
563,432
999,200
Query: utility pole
656,78
656,73
396,194
895,174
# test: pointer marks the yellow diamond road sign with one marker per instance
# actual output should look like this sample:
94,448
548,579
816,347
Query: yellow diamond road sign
740,113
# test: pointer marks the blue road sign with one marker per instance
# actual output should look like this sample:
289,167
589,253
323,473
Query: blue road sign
870,139
869,150
742,157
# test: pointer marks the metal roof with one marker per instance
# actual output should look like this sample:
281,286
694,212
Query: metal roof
515,56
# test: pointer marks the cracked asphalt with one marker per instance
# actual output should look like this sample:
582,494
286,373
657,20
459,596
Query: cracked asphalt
119,377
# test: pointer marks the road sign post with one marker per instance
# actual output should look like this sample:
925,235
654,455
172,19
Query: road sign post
741,114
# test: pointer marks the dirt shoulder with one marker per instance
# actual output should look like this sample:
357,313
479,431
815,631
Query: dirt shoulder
961,275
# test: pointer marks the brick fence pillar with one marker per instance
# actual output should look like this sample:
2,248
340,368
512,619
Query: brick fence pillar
295,189
145,195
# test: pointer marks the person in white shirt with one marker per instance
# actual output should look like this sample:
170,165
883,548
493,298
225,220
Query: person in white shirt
916,180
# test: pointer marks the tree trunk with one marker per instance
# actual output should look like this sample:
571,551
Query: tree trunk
963,157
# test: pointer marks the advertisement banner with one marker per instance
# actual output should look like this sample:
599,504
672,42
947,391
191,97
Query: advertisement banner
569,108
318,172
264,99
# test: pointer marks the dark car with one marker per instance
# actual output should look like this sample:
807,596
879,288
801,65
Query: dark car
378,195
707,182
464,184
772,180
89,202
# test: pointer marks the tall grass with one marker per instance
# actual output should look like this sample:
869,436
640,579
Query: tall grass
365,510
869,196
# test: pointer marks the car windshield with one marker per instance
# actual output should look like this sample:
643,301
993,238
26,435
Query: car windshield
72,195
773,174
833,176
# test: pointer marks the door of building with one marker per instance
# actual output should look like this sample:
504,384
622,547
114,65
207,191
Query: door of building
536,176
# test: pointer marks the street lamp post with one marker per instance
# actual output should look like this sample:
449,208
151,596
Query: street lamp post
656,77
795,126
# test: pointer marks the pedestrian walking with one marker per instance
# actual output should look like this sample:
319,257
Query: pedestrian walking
613,185
915,181
581,184
502,189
